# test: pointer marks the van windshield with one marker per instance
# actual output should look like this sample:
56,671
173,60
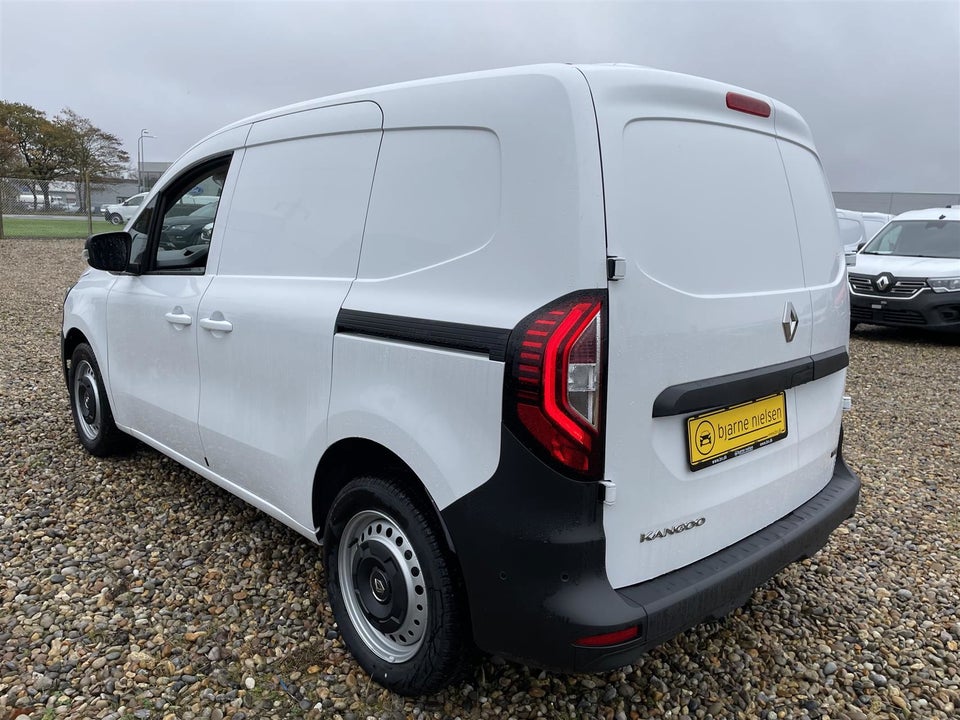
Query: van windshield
917,238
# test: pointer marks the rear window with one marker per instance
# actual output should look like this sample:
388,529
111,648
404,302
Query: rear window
872,226
918,238
849,231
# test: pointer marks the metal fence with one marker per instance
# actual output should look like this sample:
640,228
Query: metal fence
29,208
27,211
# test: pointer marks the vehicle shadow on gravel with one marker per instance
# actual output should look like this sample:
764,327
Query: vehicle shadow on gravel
906,336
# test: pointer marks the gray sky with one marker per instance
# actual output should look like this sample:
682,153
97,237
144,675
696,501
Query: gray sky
878,82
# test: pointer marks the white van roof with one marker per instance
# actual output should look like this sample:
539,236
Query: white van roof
788,122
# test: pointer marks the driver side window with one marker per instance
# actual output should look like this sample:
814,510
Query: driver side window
184,231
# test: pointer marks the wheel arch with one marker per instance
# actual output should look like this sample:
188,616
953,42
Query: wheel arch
73,338
352,457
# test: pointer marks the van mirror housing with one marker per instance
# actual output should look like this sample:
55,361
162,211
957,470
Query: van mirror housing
108,251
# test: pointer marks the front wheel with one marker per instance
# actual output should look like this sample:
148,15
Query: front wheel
92,416
395,588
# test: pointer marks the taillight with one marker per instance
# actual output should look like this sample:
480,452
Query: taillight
554,387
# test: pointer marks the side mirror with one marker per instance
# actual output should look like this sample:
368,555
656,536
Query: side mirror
861,246
109,251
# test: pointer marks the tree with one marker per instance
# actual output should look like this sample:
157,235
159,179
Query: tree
9,164
89,153
40,144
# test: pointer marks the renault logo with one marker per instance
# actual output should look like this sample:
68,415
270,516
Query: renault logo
790,322
883,282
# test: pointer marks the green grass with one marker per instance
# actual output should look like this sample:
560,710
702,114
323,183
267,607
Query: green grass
53,228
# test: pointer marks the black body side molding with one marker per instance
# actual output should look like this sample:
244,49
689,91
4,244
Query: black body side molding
740,387
438,333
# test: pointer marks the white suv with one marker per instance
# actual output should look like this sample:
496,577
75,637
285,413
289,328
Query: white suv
908,275
466,333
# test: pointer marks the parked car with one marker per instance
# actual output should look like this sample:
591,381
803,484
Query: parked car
461,332
119,213
908,275
194,228
856,227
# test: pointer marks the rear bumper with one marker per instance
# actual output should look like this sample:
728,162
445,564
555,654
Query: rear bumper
934,311
532,551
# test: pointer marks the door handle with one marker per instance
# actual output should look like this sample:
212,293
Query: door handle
217,325
178,317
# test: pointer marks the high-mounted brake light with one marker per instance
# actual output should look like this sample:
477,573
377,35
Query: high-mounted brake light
747,104
554,383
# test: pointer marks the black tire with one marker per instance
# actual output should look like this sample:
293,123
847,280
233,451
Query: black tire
395,588
116,219
92,416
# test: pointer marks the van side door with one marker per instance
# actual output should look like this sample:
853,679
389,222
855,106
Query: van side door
291,247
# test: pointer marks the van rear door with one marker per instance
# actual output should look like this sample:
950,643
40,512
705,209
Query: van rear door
724,302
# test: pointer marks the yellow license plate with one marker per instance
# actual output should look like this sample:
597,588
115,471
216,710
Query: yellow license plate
723,434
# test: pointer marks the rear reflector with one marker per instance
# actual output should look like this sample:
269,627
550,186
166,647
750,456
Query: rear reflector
747,104
613,638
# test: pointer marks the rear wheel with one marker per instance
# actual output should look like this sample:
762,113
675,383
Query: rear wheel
92,416
116,219
394,587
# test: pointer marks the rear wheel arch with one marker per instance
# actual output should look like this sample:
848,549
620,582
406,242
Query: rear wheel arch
350,458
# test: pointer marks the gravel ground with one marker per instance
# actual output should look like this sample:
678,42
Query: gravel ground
135,589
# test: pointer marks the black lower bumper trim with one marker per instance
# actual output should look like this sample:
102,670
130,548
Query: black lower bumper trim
532,551
712,587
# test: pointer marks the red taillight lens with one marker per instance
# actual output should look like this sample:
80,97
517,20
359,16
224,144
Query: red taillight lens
613,638
554,387
747,104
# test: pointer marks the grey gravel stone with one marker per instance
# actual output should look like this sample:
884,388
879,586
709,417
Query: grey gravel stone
131,586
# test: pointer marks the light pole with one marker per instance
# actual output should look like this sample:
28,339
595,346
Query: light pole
144,133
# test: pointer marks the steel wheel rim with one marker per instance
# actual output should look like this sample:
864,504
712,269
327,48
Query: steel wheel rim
86,400
369,532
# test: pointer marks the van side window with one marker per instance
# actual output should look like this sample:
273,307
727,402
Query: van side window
184,232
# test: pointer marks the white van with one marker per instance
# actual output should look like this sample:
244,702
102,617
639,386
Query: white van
474,334
856,227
